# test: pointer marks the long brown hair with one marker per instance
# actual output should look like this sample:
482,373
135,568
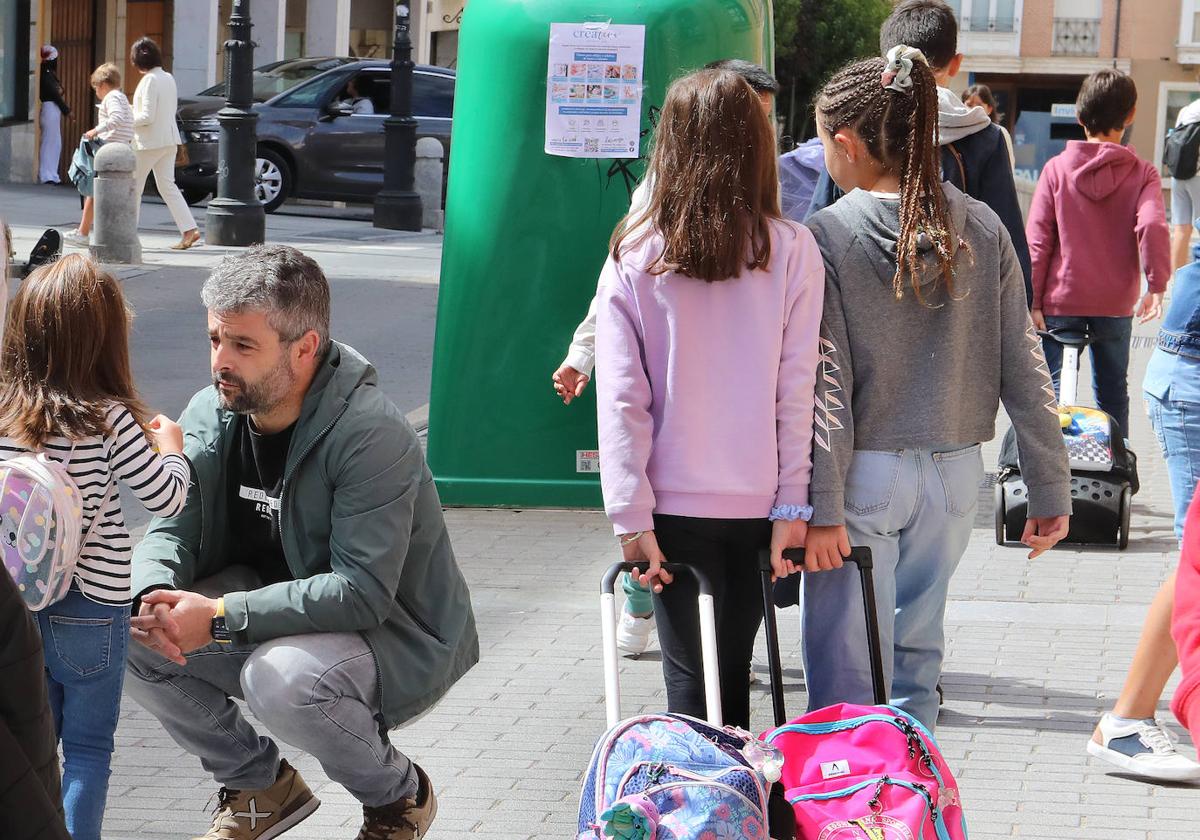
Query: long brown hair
900,130
715,186
65,355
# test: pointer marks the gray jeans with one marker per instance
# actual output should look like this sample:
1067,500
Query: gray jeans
318,692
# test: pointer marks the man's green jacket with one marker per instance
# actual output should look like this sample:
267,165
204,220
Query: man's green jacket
362,532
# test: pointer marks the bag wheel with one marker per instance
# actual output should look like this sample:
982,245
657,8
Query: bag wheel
1001,512
1123,524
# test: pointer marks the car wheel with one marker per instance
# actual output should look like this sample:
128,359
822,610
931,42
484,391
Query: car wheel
272,179
194,195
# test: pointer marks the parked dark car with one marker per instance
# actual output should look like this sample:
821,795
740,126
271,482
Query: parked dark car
312,143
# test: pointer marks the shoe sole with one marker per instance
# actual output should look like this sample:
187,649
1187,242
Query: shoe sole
292,820
1131,765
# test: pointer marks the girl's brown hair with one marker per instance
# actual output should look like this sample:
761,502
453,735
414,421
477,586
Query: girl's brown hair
65,355
900,130
715,186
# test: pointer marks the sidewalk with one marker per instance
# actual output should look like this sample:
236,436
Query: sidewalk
1035,652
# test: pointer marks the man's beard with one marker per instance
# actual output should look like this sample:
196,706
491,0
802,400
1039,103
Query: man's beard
259,397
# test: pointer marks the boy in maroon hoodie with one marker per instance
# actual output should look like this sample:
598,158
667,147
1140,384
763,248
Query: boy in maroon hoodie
1096,222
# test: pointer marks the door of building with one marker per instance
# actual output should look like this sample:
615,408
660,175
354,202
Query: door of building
73,32
144,18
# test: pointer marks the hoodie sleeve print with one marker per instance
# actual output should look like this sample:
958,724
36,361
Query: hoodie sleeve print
1042,229
833,423
1028,397
1153,235
623,399
997,184
795,390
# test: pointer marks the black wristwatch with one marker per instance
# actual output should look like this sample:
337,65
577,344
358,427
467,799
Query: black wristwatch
220,631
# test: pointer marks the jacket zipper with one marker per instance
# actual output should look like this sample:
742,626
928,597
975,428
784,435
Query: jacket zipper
417,620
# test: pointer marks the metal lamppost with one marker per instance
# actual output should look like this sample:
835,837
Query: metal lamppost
236,216
397,205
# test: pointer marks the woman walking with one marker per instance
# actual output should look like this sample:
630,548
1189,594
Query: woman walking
156,136
54,108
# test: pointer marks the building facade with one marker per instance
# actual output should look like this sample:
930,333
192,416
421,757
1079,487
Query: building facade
192,34
1034,54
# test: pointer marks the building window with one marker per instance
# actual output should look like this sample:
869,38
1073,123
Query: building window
14,61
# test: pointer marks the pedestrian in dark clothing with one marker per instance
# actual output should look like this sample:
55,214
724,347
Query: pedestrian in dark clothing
54,108
975,156
30,789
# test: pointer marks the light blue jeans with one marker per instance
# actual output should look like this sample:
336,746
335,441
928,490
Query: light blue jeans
1177,426
84,645
915,509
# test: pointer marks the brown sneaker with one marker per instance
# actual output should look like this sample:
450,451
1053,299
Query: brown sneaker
262,814
404,819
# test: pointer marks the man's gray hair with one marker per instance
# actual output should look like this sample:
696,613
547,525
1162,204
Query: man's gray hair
281,282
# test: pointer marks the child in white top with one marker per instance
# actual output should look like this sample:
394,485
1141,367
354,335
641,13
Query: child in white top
114,124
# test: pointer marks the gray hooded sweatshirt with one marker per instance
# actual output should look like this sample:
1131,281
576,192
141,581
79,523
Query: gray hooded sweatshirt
905,374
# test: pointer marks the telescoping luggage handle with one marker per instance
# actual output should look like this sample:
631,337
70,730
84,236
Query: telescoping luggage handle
859,556
708,639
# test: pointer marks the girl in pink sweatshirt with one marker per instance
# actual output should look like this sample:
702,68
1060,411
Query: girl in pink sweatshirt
708,312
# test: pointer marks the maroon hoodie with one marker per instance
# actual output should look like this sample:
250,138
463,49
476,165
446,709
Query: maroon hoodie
1096,222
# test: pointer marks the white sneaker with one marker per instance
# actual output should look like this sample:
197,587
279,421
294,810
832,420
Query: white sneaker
633,632
75,238
1145,748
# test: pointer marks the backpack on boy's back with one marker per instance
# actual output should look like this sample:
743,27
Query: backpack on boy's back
41,526
1181,152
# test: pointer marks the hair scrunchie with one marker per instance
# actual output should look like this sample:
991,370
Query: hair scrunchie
897,75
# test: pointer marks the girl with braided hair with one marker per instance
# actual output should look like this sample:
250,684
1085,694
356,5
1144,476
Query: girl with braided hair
925,331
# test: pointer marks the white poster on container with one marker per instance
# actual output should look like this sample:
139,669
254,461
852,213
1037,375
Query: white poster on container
594,90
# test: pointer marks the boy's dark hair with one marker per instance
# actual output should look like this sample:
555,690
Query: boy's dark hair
928,25
757,77
1106,99
145,54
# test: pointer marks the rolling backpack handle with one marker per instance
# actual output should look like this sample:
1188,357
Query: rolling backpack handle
859,556
708,640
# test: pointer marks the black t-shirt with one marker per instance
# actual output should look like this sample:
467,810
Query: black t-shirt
255,468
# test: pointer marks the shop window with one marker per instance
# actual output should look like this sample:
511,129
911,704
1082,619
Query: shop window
14,60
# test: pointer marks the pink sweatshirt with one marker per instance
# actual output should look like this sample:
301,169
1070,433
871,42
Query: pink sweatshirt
1185,624
705,391
1096,222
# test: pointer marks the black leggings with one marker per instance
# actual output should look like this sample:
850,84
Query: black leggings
727,551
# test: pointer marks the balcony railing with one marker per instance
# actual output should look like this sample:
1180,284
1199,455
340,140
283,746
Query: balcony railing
1076,36
989,24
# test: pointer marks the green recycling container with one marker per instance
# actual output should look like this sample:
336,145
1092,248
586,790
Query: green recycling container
527,234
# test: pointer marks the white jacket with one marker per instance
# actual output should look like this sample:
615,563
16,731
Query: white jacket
154,104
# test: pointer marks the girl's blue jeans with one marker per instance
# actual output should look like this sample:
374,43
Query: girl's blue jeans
915,509
85,644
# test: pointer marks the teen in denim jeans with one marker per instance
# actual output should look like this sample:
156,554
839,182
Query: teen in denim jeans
1129,736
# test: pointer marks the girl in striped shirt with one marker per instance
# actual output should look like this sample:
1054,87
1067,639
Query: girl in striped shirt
114,124
66,389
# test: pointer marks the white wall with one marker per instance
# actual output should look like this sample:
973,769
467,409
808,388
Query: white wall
194,63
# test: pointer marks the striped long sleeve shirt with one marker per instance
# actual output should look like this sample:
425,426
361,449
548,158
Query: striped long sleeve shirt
160,482
115,122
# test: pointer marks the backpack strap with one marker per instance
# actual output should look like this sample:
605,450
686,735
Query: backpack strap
108,494
962,172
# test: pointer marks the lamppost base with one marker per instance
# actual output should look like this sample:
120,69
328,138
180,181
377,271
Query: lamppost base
396,210
234,223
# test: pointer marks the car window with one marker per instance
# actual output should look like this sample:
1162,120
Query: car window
372,85
433,95
312,94
270,80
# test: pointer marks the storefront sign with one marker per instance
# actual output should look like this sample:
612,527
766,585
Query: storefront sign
594,90
1065,110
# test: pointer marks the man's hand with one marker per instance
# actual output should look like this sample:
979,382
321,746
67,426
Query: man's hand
1043,534
1149,308
785,535
825,547
647,555
153,627
191,613
569,383
1039,319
